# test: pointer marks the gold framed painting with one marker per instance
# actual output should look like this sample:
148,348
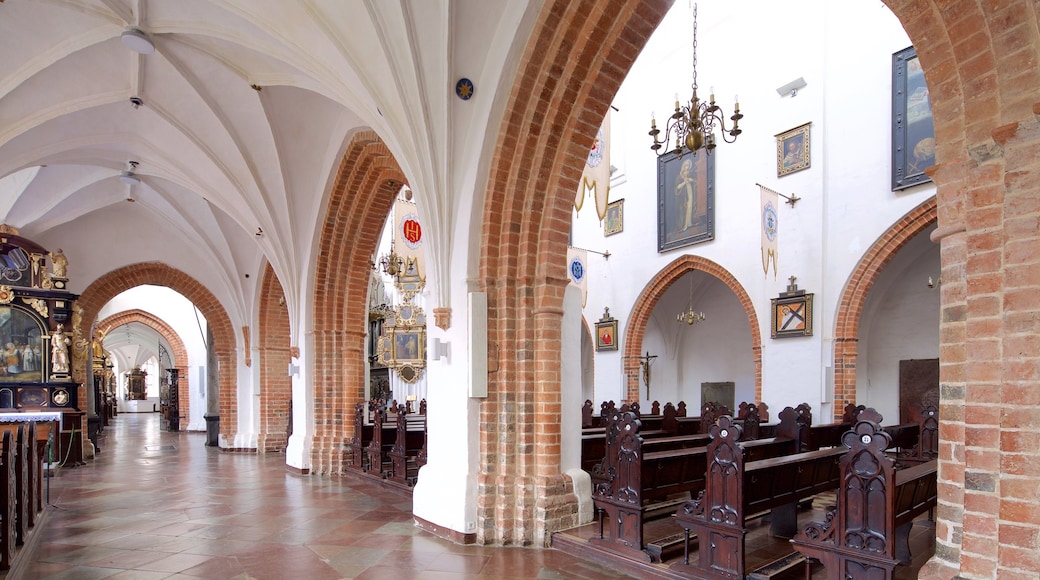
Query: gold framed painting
614,221
792,316
793,150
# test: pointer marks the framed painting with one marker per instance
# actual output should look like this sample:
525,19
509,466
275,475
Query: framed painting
685,199
793,151
614,222
606,334
792,316
913,130
409,346
25,356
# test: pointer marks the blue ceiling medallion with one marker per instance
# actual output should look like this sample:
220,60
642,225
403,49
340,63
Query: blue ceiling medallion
464,89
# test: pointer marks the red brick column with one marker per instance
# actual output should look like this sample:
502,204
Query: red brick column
575,61
368,181
275,383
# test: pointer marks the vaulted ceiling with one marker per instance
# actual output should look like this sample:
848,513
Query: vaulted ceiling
235,124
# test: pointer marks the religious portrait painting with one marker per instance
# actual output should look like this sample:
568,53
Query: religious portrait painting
606,334
21,342
614,222
793,150
913,130
685,199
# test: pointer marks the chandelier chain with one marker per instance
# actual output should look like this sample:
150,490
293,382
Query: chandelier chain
694,84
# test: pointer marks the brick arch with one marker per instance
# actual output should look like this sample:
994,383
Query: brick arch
117,281
366,185
180,354
275,383
562,89
857,289
979,59
655,289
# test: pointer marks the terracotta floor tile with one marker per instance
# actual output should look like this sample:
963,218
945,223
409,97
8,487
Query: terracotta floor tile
195,512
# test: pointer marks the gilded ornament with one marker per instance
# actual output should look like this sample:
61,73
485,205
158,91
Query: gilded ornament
38,305
6,295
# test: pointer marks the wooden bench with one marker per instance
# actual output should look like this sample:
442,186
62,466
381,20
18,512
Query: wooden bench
642,484
360,440
384,434
740,486
408,442
866,534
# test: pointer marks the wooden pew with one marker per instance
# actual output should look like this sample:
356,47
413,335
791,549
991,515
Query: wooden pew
8,483
360,440
384,434
739,486
409,440
866,534
640,484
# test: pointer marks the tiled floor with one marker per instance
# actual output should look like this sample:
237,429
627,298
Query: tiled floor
162,505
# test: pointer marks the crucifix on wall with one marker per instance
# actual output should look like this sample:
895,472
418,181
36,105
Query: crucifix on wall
644,364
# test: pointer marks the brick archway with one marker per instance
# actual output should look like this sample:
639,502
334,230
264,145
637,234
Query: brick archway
566,79
647,301
113,283
275,383
367,183
179,354
857,289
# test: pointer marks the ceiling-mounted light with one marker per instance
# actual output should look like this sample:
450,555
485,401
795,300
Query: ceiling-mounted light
129,177
694,124
137,40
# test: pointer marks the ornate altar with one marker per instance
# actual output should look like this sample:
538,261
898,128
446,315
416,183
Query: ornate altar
35,329
135,385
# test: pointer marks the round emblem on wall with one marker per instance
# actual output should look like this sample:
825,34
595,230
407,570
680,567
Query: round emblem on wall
769,221
464,89
577,270
411,231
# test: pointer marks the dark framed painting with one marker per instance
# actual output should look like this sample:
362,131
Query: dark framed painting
913,130
606,334
792,316
25,357
685,199
614,222
793,151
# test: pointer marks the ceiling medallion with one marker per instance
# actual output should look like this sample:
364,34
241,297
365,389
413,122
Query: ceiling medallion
464,89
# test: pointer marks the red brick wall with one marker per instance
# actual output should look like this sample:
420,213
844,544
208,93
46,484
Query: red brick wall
112,284
362,197
574,63
980,62
275,383
647,301
179,354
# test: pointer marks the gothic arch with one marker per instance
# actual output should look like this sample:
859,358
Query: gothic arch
652,292
854,296
366,185
180,354
275,383
113,283
562,89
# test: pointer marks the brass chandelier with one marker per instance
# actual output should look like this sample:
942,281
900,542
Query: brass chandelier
694,124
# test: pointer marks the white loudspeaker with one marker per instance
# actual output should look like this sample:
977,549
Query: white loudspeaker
478,344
